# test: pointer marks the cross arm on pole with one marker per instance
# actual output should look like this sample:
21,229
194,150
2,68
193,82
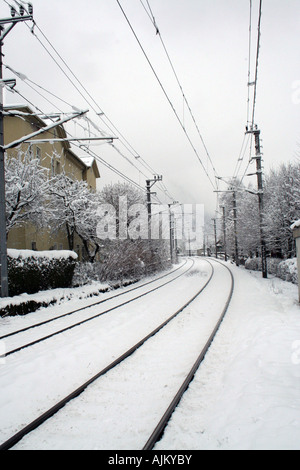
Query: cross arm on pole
25,138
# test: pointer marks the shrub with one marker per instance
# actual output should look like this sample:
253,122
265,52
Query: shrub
32,271
284,269
287,270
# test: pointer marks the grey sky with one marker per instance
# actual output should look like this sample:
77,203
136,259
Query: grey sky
208,45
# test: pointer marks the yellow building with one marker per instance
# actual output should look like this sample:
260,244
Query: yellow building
56,156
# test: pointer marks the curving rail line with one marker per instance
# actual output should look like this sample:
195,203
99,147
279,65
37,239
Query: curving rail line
157,432
159,429
69,327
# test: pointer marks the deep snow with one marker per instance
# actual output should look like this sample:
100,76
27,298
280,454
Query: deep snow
245,394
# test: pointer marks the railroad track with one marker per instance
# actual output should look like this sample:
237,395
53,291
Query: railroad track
68,315
158,430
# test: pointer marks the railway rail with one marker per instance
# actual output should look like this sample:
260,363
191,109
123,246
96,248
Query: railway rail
159,428
39,325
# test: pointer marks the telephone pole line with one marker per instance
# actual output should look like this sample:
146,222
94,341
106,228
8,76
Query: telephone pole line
224,233
256,133
149,184
215,235
236,248
260,193
9,23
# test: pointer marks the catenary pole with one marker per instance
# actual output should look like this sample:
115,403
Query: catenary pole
10,23
256,133
3,243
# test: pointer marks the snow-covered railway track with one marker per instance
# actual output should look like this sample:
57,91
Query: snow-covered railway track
113,369
19,339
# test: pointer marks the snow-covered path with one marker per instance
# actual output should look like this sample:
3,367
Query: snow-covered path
245,394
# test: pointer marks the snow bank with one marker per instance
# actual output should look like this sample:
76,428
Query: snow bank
50,254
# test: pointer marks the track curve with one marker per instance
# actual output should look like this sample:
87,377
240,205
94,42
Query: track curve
33,425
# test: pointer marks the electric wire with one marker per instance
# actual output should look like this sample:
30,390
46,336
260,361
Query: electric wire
256,65
84,147
98,112
250,121
165,93
158,33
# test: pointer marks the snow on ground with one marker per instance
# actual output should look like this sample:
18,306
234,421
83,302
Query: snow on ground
245,394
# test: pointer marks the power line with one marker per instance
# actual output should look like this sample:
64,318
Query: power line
98,112
165,93
256,65
250,122
158,33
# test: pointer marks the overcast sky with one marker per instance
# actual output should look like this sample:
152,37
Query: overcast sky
207,41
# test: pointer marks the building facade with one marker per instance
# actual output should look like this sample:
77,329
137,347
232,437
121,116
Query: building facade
55,155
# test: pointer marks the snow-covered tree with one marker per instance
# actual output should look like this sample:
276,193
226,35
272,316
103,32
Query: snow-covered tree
73,207
26,189
128,252
282,208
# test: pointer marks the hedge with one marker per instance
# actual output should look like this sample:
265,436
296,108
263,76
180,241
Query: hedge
284,269
31,271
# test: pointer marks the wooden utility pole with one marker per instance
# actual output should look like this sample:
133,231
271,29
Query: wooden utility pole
224,233
9,23
256,133
215,235
236,248
149,184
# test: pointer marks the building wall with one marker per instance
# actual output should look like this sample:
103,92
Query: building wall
56,157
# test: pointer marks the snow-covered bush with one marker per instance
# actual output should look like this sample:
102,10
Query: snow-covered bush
287,270
284,269
85,273
31,271
253,264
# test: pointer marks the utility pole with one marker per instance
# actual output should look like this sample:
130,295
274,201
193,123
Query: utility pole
236,249
149,184
256,133
215,233
171,234
173,244
10,22
224,233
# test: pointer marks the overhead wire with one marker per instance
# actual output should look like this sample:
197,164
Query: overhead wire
250,119
165,93
158,33
93,104
82,146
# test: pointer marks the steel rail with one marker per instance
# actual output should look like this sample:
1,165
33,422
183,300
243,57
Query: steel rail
13,440
159,429
57,332
98,302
